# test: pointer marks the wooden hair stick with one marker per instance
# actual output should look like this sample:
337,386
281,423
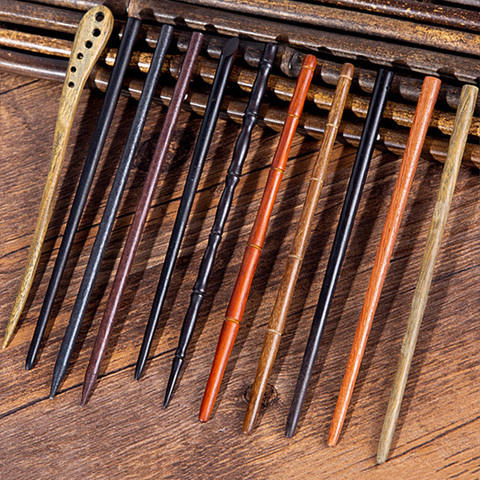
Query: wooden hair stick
109,214
278,318
86,179
92,35
140,217
256,240
233,177
340,242
427,267
418,132
202,146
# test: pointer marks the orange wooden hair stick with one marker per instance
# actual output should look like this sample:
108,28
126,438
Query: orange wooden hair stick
256,240
416,138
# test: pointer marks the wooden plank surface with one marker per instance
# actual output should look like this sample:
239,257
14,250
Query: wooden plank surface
123,432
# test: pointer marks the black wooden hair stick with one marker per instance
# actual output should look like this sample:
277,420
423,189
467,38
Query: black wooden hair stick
198,160
340,242
95,151
223,209
111,208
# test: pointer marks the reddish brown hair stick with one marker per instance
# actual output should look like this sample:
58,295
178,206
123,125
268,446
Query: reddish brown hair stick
256,240
418,132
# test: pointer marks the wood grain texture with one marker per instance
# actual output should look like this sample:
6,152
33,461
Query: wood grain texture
406,174
92,36
123,432
256,240
427,267
276,324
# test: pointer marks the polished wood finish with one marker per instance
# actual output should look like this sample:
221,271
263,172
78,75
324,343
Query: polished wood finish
238,299
123,428
93,33
406,174
276,324
427,267
138,223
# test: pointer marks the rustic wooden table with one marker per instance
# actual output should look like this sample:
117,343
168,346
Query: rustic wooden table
123,432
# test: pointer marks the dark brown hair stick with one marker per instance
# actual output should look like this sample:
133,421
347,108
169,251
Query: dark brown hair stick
418,132
136,229
256,240
233,177
340,242
276,324
198,160
109,215
87,48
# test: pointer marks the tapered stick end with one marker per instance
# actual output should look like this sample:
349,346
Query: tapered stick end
6,340
333,437
176,367
88,384
248,426
29,363
382,457
57,379
206,407
290,430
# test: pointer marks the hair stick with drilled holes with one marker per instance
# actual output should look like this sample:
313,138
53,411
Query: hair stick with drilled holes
202,146
111,208
256,240
418,132
92,36
340,242
233,177
285,292
427,267
140,217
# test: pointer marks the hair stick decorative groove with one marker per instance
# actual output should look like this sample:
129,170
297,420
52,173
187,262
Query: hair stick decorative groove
340,242
91,162
191,184
427,267
256,240
85,53
233,177
140,217
276,324
111,208
418,132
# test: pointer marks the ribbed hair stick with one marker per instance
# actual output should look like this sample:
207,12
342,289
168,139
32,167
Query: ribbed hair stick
276,324
340,242
91,38
451,168
111,208
104,121
140,217
256,239
202,146
233,177
416,138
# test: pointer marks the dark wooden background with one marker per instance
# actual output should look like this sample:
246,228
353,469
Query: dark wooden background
123,432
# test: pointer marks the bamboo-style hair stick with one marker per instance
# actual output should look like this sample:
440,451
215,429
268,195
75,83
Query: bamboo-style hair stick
276,324
140,217
418,132
93,33
233,178
256,240
427,267
340,243
110,212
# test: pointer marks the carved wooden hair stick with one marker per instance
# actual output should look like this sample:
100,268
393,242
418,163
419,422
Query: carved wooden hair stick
340,242
233,177
91,162
285,292
256,240
140,217
191,184
427,267
92,35
109,215
418,132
